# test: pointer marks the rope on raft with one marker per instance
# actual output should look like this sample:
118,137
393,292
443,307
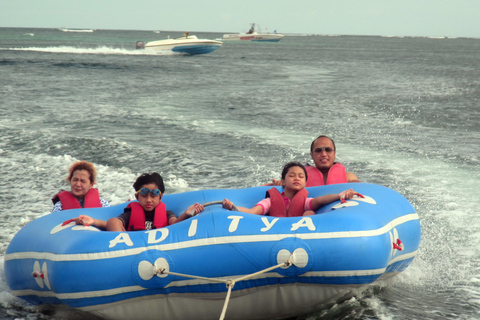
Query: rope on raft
230,283
192,213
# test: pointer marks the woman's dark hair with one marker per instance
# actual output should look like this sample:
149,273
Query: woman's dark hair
293,164
147,178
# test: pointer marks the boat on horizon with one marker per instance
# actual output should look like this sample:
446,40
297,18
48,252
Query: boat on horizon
76,30
187,44
254,35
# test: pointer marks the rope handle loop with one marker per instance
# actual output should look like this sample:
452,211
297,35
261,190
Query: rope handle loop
342,196
399,245
67,222
191,213
230,283
73,220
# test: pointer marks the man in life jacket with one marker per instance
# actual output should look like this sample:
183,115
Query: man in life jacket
149,212
326,170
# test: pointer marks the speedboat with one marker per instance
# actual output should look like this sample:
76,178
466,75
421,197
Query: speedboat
253,35
219,263
187,44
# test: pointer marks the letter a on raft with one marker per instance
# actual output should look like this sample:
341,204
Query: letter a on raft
305,222
121,238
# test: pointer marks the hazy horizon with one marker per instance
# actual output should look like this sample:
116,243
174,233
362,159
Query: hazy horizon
422,18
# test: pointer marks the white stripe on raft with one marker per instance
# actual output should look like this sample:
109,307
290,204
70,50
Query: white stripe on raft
189,282
212,241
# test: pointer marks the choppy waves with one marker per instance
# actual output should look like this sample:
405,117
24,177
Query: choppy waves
102,50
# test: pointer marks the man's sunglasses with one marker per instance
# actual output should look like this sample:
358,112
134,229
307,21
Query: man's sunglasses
326,149
146,191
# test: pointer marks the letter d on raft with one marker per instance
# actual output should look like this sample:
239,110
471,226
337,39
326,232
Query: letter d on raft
152,235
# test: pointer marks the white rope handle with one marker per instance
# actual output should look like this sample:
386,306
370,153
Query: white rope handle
229,282
163,271
212,203
227,300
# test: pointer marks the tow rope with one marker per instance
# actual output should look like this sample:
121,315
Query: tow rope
230,283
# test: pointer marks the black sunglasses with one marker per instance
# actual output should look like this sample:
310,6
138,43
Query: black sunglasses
321,149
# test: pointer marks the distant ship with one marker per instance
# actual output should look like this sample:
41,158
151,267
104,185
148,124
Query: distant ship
76,30
253,35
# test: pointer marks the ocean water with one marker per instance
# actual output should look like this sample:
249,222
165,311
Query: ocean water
404,113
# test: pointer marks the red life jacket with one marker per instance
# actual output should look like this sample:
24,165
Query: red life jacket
137,217
69,201
279,208
336,174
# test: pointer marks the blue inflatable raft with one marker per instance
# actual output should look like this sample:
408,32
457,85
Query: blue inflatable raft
219,263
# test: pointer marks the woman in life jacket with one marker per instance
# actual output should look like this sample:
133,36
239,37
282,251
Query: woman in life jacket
81,177
293,201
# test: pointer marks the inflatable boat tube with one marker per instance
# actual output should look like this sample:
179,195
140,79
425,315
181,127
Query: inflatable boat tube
219,263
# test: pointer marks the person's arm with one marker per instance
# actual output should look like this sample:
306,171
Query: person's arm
323,200
115,224
196,208
329,198
87,220
227,204
351,177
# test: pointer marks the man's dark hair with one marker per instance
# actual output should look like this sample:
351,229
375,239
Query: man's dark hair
322,136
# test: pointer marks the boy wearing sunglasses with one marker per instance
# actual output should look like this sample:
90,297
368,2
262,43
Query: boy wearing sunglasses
149,212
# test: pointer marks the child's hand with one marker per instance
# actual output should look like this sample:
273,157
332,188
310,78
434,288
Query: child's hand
347,194
276,182
227,204
195,209
85,220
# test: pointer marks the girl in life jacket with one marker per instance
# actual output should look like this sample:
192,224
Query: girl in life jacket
294,200
149,212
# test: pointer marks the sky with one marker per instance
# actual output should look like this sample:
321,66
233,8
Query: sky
431,18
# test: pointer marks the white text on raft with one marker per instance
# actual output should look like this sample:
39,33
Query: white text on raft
124,238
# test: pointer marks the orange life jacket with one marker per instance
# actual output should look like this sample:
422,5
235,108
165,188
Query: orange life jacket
279,208
137,217
69,201
336,174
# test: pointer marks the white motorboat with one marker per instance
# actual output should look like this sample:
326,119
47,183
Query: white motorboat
187,44
253,35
